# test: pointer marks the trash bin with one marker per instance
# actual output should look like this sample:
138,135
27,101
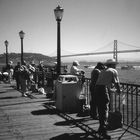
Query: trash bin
67,93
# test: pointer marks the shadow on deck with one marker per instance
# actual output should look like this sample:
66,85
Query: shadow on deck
35,117
87,124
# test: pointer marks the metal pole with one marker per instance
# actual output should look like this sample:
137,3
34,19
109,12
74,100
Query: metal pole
58,49
6,54
21,51
115,54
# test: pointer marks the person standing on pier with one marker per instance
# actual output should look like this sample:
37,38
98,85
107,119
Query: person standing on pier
24,76
106,79
74,68
10,70
94,76
40,68
17,75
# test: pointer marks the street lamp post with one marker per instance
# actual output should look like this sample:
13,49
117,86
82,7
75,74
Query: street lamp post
58,11
6,44
21,34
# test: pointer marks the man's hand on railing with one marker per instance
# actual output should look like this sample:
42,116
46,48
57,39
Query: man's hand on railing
114,90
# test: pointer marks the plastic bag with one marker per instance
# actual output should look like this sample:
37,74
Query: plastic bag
82,96
41,91
123,99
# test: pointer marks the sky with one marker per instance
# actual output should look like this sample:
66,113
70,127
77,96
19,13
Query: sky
86,26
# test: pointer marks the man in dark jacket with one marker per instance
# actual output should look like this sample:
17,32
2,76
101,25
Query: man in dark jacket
17,75
24,77
94,76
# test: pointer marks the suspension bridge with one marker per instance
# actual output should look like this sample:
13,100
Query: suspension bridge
125,48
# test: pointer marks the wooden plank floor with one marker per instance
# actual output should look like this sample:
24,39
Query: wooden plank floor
24,118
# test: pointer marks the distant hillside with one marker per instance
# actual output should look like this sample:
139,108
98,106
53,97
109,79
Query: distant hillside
28,57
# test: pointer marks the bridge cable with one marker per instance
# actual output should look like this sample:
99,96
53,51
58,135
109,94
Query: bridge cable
129,45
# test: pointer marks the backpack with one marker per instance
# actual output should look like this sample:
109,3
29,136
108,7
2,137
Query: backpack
114,120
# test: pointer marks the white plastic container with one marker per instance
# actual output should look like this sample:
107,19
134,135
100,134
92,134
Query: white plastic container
67,93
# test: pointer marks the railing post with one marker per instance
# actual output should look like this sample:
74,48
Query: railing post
36,79
137,107
127,106
43,78
132,104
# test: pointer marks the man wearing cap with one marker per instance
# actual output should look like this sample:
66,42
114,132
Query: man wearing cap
106,79
74,70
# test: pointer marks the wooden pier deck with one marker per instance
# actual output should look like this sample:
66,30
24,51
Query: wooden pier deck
35,118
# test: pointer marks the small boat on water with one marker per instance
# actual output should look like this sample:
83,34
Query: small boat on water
127,67
86,66
89,66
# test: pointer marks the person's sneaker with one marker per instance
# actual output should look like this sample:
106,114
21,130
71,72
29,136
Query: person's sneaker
27,93
24,95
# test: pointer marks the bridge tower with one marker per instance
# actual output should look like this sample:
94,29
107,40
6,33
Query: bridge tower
115,55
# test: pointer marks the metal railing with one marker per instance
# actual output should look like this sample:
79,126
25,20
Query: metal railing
130,110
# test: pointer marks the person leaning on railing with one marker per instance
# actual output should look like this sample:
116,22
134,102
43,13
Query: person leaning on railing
104,83
94,76
74,70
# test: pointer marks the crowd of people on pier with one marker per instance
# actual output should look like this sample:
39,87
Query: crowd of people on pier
103,77
25,76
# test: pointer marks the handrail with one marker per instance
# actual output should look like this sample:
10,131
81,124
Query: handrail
129,111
